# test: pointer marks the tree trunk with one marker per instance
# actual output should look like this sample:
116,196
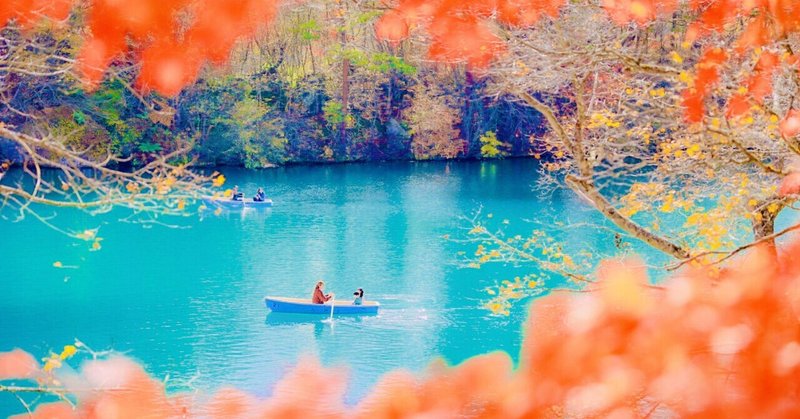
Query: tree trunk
342,143
764,224
591,193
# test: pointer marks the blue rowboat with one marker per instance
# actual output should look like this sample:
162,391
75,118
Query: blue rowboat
231,204
305,306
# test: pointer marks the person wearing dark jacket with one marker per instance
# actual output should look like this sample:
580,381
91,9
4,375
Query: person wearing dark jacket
260,196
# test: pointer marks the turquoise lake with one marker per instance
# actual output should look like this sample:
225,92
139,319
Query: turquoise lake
185,298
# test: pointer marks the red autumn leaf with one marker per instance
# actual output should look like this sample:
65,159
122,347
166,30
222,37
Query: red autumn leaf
692,102
738,105
755,35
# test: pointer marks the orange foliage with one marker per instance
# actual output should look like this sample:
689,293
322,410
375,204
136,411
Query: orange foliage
459,33
29,12
703,344
707,76
758,86
458,29
639,11
172,38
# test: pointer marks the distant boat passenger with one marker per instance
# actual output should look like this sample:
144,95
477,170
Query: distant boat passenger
260,196
236,195
318,297
359,297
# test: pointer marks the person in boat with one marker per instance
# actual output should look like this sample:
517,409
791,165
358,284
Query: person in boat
236,195
318,297
260,196
359,297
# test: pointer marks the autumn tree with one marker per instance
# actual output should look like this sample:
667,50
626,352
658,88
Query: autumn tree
433,120
676,121
79,47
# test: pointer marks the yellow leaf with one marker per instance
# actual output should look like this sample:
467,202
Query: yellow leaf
218,181
65,186
693,150
752,202
531,284
86,235
477,230
51,364
58,264
181,204
773,208
676,57
96,245
69,351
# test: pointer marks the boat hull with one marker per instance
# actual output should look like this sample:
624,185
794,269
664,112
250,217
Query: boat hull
231,204
300,306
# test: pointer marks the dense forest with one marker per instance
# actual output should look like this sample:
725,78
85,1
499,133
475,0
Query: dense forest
317,86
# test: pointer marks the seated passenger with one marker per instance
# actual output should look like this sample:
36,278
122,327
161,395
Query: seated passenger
318,297
236,195
359,297
260,196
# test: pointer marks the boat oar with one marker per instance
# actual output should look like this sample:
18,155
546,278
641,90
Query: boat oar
333,301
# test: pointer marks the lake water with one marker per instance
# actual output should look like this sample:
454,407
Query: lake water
187,301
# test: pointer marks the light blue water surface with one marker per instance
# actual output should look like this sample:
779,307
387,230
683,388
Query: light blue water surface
187,302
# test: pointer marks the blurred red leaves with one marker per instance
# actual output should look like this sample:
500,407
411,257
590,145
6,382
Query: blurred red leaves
702,344
460,32
707,76
790,185
790,125
29,12
17,364
171,38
